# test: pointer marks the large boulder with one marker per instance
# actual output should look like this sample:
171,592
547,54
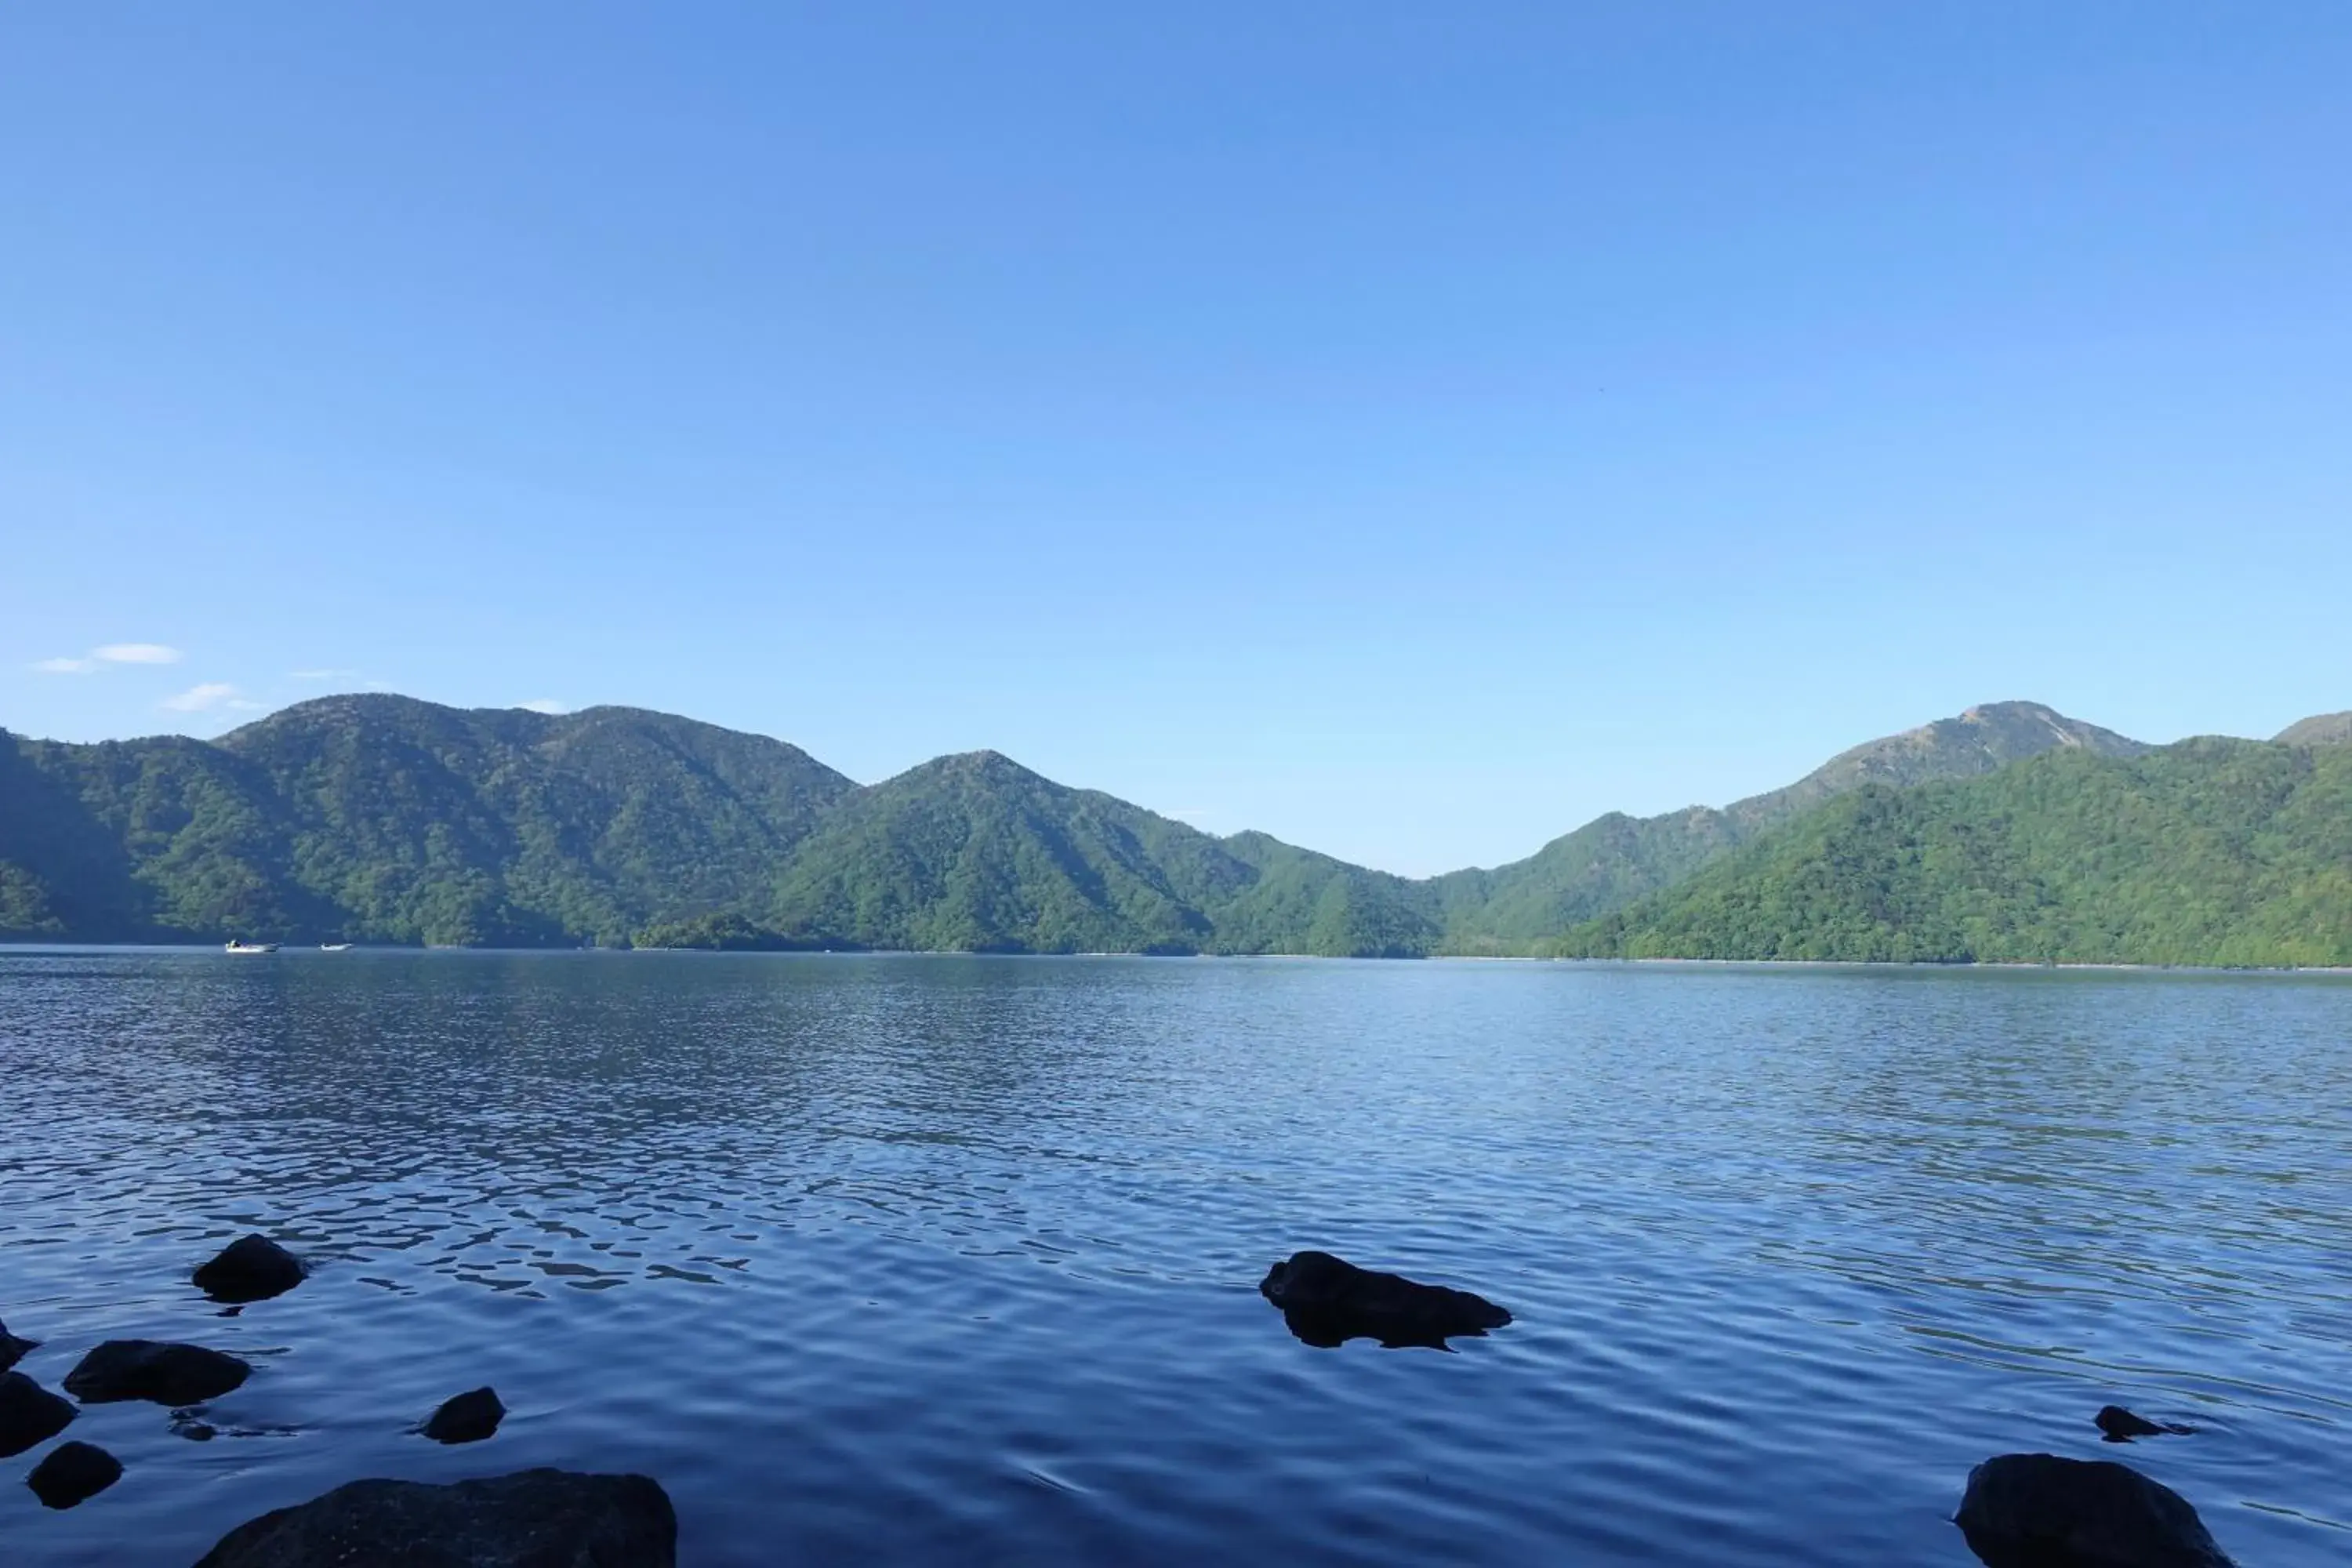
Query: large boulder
148,1369
2038,1511
73,1473
12,1348
1326,1302
532,1519
29,1414
467,1418
250,1269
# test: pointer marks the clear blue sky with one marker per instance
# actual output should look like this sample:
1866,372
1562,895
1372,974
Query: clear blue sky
1408,429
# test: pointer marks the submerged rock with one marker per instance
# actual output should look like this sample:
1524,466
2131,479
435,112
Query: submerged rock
2038,1511
250,1269
194,1430
149,1369
532,1519
73,1473
1326,1300
29,1414
12,1348
2121,1426
467,1418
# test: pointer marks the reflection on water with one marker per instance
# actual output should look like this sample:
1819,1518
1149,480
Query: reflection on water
956,1260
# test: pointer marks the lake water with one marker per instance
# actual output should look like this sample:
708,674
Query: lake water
950,1260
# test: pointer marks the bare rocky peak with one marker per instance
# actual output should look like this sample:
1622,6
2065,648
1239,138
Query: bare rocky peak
2319,729
1983,739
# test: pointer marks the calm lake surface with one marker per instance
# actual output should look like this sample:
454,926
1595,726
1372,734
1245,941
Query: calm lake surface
954,1260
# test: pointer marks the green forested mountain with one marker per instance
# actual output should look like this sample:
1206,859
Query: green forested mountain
975,852
1616,859
382,818
2212,851
389,819
386,819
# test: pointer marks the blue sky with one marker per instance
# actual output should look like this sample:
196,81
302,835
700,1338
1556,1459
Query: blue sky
1407,429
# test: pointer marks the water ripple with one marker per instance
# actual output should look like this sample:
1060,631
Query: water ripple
950,1260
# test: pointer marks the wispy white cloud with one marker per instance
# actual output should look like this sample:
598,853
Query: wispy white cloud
210,695
137,653
112,653
545,705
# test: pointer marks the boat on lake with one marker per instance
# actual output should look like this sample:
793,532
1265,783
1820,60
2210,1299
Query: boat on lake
334,947
252,947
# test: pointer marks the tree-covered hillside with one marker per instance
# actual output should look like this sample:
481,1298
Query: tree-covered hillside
384,819
387,819
2212,851
1608,863
976,852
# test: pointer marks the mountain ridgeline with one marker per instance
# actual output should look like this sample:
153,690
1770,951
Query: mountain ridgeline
382,818
389,819
2010,831
1616,859
2214,851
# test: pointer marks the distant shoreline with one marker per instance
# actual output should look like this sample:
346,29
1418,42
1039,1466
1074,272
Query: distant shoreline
13,946
2007,825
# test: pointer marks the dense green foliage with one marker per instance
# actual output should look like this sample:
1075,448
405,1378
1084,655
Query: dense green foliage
2213,851
386,819
976,853
380,818
1608,863
1603,866
722,933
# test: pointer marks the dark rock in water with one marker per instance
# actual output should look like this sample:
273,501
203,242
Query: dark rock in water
250,1269
29,1414
467,1418
2038,1511
12,1348
194,1431
148,1369
2121,1426
532,1519
73,1473
1326,1300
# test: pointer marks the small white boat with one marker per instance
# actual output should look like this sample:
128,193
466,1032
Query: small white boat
334,947
252,947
